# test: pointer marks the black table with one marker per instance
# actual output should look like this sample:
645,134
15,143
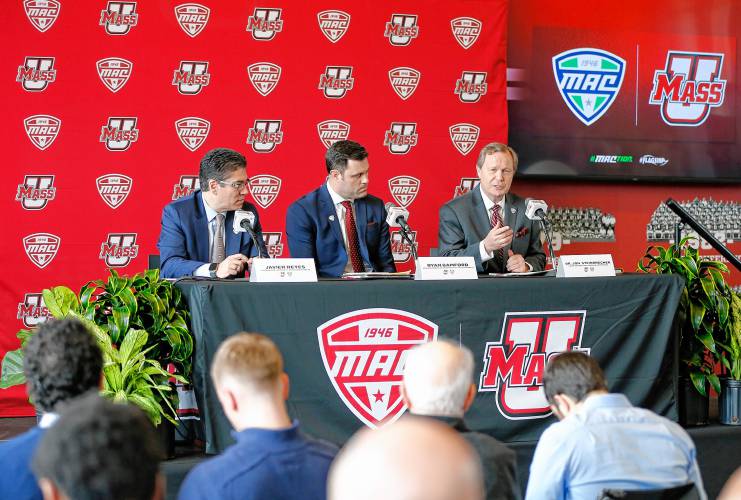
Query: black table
510,324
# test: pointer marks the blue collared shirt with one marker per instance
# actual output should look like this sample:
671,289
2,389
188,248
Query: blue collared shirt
609,443
262,464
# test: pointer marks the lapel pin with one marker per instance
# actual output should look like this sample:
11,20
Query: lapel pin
513,210
331,218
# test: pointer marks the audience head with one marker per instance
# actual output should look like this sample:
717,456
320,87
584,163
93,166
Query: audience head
569,378
732,489
99,450
438,379
247,372
412,459
61,361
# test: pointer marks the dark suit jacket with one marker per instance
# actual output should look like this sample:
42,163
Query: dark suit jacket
464,222
314,232
499,462
183,242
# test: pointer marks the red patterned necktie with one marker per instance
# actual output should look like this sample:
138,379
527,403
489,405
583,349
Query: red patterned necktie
496,221
353,249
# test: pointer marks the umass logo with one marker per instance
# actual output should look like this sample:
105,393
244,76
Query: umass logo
514,365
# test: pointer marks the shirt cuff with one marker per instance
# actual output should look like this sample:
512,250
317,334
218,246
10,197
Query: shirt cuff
484,254
202,271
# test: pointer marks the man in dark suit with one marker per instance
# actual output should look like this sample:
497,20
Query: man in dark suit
488,223
197,236
340,225
438,384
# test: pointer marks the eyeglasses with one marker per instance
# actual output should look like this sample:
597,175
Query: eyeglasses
238,185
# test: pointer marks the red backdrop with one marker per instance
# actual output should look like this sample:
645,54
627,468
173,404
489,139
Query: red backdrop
87,69
440,46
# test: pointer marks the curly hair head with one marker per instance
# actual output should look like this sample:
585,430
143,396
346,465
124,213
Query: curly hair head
61,361
100,450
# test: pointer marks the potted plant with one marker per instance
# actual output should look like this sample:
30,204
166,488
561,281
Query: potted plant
730,396
140,324
703,316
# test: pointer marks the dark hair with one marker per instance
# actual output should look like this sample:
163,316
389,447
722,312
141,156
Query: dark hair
573,374
496,147
100,450
218,163
341,151
61,361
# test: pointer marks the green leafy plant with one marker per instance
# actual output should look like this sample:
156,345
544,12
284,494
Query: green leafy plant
704,308
140,324
731,355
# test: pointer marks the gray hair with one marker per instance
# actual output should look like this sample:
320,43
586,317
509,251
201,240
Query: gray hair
437,377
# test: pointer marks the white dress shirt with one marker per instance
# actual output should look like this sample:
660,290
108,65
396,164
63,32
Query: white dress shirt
485,256
340,210
211,216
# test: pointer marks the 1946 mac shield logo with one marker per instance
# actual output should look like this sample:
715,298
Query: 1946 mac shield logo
513,367
364,353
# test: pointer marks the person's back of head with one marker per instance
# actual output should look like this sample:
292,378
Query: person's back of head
438,379
250,360
61,361
569,378
412,459
99,450
247,371
573,374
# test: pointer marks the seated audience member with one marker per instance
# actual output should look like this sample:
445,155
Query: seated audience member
340,225
602,441
438,383
412,459
61,361
197,236
271,459
100,450
489,223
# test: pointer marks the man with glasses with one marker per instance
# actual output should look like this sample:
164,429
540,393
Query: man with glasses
340,225
488,223
197,236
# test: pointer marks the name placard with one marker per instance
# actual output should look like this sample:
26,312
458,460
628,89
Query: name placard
446,268
585,266
282,270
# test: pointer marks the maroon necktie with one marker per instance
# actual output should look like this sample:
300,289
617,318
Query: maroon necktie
353,249
496,220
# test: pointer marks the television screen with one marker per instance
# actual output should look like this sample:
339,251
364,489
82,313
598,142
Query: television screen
625,90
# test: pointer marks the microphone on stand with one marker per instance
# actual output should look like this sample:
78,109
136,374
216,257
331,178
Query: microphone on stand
397,217
536,210
244,220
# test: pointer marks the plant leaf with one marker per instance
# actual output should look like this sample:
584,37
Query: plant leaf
12,370
697,313
60,300
714,382
699,381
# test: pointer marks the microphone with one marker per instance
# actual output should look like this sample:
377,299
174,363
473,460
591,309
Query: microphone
397,216
244,220
536,209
